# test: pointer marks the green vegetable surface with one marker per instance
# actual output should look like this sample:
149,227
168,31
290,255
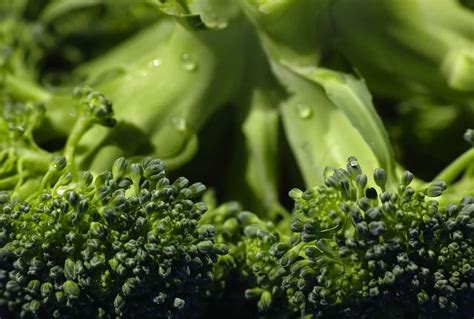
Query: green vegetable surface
335,138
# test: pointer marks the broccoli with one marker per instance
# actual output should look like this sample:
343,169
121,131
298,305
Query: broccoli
123,243
252,245
74,243
251,97
356,250
406,47
134,75
23,161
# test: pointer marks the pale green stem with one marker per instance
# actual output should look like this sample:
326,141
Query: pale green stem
450,173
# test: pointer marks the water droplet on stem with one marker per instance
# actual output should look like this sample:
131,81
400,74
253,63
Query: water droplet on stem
188,63
304,111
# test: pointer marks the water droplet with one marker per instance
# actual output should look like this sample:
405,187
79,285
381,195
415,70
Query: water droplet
188,63
156,62
304,111
179,123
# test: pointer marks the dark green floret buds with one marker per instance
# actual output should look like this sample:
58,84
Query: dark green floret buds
357,251
125,243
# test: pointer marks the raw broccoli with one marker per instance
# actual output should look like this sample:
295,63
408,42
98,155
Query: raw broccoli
362,250
123,243
253,246
23,162
252,97
357,250
406,48
151,110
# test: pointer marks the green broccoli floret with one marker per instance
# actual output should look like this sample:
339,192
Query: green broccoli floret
354,250
23,162
250,270
360,251
262,245
124,243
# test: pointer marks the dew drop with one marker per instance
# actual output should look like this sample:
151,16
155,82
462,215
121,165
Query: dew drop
156,62
304,111
188,63
179,123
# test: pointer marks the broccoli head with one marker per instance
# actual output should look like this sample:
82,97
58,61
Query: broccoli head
123,243
361,250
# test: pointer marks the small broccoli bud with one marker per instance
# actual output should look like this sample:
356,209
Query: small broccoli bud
436,189
58,164
119,168
407,178
71,289
380,178
265,301
95,106
295,194
353,167
361,181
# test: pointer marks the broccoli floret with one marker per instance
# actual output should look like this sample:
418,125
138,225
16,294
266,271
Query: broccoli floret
23,162
355,250
262,245
251,268
360,250
124,243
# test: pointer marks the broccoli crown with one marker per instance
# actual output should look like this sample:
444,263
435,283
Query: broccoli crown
356,251
125,243
262,245
251,268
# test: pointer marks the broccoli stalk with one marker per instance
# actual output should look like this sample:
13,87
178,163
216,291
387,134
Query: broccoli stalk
150,108
328,115
407,47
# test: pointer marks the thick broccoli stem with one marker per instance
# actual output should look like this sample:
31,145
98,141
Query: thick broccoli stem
257,147
163,115
428,50
285,22
261,139
319,134
325,117
351,96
